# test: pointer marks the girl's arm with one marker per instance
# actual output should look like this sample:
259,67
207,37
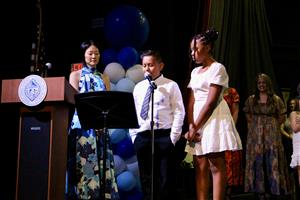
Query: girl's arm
283,132
235,111
295,121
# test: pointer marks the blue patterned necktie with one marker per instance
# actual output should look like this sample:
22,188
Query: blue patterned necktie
145,106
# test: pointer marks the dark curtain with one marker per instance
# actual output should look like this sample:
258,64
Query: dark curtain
244,44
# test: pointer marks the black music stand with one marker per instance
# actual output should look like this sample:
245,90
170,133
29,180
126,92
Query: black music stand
106,109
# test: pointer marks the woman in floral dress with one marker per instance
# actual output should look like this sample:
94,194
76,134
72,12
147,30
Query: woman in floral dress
85,148
266,167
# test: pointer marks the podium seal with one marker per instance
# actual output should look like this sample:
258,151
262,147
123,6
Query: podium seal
32,90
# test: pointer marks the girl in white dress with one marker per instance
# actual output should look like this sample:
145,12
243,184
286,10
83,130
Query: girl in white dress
295,125
211,127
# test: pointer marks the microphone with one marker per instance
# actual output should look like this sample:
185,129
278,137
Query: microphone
151,82
48,65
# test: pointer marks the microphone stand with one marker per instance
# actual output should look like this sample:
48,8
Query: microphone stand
152,140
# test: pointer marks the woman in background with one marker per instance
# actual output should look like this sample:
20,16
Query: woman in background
266,166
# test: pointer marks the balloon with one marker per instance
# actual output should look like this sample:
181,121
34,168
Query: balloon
126,26
134,168
124,148
126,181
115,72
125,85
131,159
120,165
113,86
127,57
117,135
135,73
109,56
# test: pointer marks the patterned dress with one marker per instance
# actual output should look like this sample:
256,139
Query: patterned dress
233,159
266,167
86,152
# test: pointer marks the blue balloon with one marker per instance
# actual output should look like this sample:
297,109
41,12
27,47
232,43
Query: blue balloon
126,26
117,135
120,165
128,56
109,56
124,148
126,181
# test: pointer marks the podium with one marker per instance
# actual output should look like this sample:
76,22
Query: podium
42,145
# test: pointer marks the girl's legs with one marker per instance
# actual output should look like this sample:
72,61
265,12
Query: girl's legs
202,177
217,167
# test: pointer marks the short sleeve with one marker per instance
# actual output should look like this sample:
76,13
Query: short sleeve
192,74
219,75
248,104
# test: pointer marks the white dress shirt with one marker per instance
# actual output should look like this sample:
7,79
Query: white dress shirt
168,109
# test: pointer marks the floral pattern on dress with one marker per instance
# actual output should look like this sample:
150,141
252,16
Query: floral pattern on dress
266,166
86,152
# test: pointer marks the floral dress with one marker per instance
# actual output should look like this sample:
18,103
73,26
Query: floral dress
266,167
86,152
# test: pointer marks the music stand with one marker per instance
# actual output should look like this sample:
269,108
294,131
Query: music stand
106,109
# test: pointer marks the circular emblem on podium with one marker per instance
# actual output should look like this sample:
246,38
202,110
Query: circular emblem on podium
32,90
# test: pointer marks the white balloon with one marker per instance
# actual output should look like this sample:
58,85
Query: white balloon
113,86
115,71
135,73
125,85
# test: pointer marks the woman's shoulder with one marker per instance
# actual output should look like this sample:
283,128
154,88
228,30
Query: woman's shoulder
75,73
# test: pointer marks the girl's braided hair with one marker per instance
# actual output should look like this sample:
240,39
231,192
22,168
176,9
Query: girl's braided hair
208,36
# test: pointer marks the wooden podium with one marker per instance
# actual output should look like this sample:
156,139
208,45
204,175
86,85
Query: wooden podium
42,146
